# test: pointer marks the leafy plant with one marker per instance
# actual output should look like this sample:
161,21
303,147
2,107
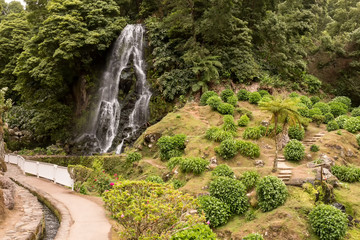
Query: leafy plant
305,100
315,111
296,132
352,124
323,107
250,179
218,135
243,95
216,211
133,157
328,222
314,99
294,150
226,94
102,182
250,215
248,149
358,139
232,100
194,165
154,179
223,170
252,133
314,148
355,112
340,120
177,183
343,100
229,124
318,119
231,192
328,117
312,82
346,173
227,149
225,109
205,96
294,95
253,236
263,92
171,146
332,126
173,162
254,97
214,102
243,121
338,108
271,192
198,231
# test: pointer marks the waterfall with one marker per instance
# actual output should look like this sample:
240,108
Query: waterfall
103,128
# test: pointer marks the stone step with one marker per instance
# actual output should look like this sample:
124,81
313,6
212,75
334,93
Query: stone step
284,176
285,172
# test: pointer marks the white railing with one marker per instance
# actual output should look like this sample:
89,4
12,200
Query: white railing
49,171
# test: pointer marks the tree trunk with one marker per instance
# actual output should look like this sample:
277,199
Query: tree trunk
2,147
276,144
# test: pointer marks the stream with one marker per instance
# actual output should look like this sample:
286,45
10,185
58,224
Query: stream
52,224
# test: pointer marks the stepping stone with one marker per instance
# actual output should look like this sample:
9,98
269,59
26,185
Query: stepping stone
282,172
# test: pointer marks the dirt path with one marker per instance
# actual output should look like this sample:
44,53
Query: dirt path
88,218
153,163
193,110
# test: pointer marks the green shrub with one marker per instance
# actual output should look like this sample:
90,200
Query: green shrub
253,236
226,94
173,162
305,100
214,102
130,203
171,146
263,92
303,110
102,182
314,148
266,98
344,100
315,99
243,95
227,149
195,232
314,111
294,150
244,111
226,109
294,95
223,170
79,173
339,132
194,165
328,222
216,211
205,96
254,97
271,193
252,133
218,135
328,117
270,130
250,179
133,157
352,124
355,112
250,215
332,126
358,139
312,82
318,119
296,132
323,107
243,121
340,120
229,123
177,183
231,192
154,179
346,174
232,100
337,108
248,149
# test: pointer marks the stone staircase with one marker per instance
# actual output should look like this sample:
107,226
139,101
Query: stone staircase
314,139
284,171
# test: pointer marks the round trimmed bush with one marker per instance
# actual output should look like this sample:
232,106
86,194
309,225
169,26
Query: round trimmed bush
294,150
296,132
214,102
194,165
305,100
227,149
328,222
218,135
355,112
332,126
205,96
226,94
323,107
225,109
133,157
248,149
341,120
232,100
231,192
250,179
271,193
252,133
315,99
254,97
314,111
352,124
328,117
358,139
229,123
253,236
198,231
303,110
243,95
318,119
338,108
216,211
154,179
243,121
314,148
263,92
312,82
344,100
223,170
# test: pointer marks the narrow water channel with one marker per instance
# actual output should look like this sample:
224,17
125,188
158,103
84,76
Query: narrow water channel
52,224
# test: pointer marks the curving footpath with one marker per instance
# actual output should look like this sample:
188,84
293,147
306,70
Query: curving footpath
81,218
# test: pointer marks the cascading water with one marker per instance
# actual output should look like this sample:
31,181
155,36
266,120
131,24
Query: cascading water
127,52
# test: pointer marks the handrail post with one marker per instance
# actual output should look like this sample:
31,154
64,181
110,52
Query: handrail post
55,168
37,169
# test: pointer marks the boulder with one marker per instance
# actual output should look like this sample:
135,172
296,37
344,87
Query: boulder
327,175
8,189
265,123
259,163
213,160
152,137
328,162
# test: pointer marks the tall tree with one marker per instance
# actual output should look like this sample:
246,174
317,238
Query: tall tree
5,105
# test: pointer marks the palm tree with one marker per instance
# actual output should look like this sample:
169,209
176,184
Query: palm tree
282,111
4,106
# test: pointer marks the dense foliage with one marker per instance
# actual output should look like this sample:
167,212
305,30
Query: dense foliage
250,179
346,173
271,192
171,146
296,132
294,151
198,231
223,170
216,211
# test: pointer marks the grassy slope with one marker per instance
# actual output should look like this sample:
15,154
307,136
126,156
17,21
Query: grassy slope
286,222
